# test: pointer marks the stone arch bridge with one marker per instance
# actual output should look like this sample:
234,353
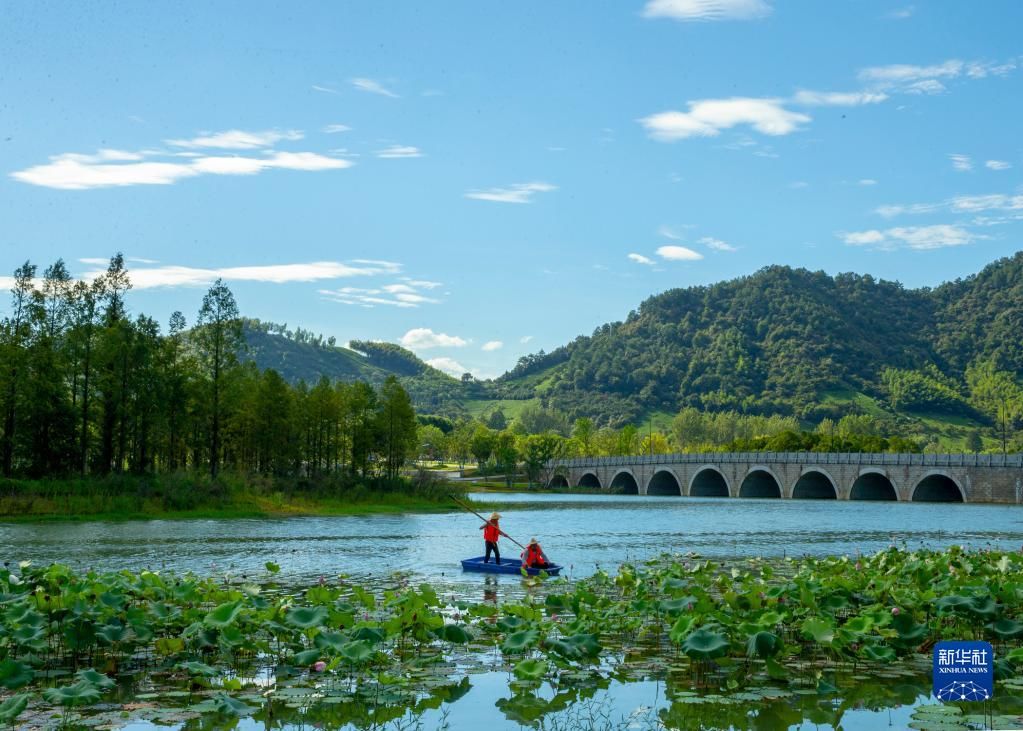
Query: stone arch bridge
809,475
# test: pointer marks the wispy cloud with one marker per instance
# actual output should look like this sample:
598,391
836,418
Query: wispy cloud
492,345
424,338
640,259
962,163
516,193
901,13
997,165
919,238
867,181
838,98
118,168
399,151
448,365
678,253
705,10
707,117
331,129
956,204
170,275
373,87
717,244
407,293
236,139
525,339
324,89
912,79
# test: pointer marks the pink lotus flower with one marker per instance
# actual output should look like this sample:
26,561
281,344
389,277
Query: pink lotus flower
319,666
895,611
322,581
859,566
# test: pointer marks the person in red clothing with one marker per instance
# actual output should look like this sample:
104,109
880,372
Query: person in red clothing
491,532
534,557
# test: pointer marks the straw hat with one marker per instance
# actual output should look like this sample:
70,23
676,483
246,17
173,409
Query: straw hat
533,542
495,516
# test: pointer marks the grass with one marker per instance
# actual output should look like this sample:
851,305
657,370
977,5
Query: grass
511,407
181,496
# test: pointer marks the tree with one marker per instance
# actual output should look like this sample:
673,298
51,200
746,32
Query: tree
997,394
541,450
582,431
397,426
482,446
654,443
218,337
974,443
16,331
506,454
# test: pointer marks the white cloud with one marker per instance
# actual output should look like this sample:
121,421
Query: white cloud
957,204
707,117
717,244
920,238
997,165
799,184
640,259
525,339
668,233
901,13
373,87
72,171
516,193
148,277
236,139
422,283
324,89
449,365
900,74
492,345
399,151
838,98
962,163
695,10
422,338
335,128
678,253
867,181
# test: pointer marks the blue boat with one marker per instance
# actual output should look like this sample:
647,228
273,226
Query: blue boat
507,566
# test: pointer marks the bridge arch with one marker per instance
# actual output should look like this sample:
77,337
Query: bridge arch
664,482
873,484
815,484
708,481
760,481
937,486
624,483
589,479
558,481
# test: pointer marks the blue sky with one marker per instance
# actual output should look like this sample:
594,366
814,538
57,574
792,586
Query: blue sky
482,180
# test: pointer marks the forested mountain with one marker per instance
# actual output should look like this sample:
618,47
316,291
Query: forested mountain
299,356
780,341
786,341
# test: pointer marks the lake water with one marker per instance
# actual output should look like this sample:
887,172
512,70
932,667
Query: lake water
579,531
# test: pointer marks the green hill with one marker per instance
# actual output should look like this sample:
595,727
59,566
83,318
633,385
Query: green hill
782,340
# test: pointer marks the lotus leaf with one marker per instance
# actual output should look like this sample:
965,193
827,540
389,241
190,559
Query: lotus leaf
907,628
82,693
371,635
330,641
13,707
228,706
358,651
199,668
96,679
511,624
703,644
531,669
819,629
763,644
878,653
682,627
14,674
520,641
306,657
1006,629
306,617
454,633
224,615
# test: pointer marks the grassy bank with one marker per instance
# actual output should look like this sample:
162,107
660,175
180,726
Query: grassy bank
182,496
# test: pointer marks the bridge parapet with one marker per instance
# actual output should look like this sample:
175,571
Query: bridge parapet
847,476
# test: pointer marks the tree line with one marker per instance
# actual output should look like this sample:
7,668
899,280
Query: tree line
88,389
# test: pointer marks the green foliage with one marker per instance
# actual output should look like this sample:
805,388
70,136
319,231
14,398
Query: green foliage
926,389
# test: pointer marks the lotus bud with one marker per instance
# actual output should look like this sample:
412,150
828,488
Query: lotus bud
895,611
319,666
